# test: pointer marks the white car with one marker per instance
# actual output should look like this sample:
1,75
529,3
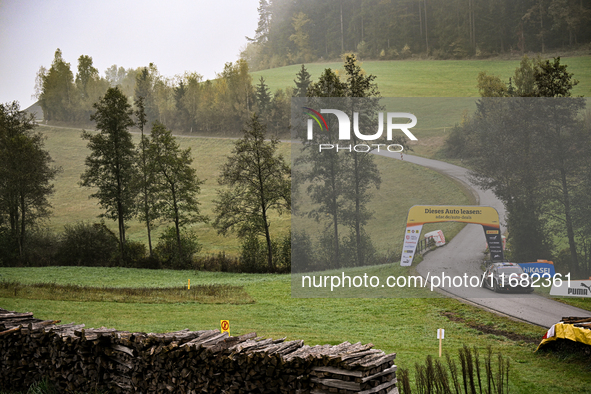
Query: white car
507,277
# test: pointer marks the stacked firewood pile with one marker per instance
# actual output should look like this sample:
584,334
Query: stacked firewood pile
369,371
583,322
74,358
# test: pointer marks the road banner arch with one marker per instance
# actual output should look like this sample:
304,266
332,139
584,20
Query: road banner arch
418,215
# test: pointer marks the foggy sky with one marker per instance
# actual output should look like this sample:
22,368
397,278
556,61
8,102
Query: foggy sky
178,36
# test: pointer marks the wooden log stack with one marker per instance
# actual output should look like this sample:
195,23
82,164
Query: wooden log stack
582,322
74,358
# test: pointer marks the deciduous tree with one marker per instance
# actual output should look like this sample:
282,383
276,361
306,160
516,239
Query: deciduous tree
175,181
364,173
111,164
26,174
327,170
259,182
147,194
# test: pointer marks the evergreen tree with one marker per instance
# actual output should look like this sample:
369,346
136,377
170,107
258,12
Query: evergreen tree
302,82
58,99
262,31
263,97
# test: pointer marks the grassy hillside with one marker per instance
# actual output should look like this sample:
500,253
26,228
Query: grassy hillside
428,78
71,202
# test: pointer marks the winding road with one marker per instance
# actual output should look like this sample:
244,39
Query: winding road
463,255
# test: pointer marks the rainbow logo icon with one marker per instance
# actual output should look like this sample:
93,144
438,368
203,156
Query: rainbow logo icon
317,117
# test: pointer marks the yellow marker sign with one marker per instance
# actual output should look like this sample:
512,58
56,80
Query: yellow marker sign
189,285
225,326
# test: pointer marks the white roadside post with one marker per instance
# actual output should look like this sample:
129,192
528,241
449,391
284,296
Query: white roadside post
440,336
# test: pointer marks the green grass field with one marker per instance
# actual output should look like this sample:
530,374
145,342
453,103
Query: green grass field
428,78
405,326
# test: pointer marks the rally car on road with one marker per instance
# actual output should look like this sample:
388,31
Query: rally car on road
507,277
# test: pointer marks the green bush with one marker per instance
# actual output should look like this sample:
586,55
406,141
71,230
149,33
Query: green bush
302,251
135,255
41,247
253,255
349,252
8,250
167,250
88,245
218,263
282,254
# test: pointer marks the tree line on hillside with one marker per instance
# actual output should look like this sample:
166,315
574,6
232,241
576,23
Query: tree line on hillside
185,103
529,141
153,182
300,31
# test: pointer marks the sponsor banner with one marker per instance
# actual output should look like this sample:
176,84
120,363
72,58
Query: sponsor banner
488,217
494,241
421,214
538,268
571,288
411,237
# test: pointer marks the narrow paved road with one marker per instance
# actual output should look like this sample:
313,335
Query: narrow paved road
465,252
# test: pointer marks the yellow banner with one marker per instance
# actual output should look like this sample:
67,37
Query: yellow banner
421,214
567,331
